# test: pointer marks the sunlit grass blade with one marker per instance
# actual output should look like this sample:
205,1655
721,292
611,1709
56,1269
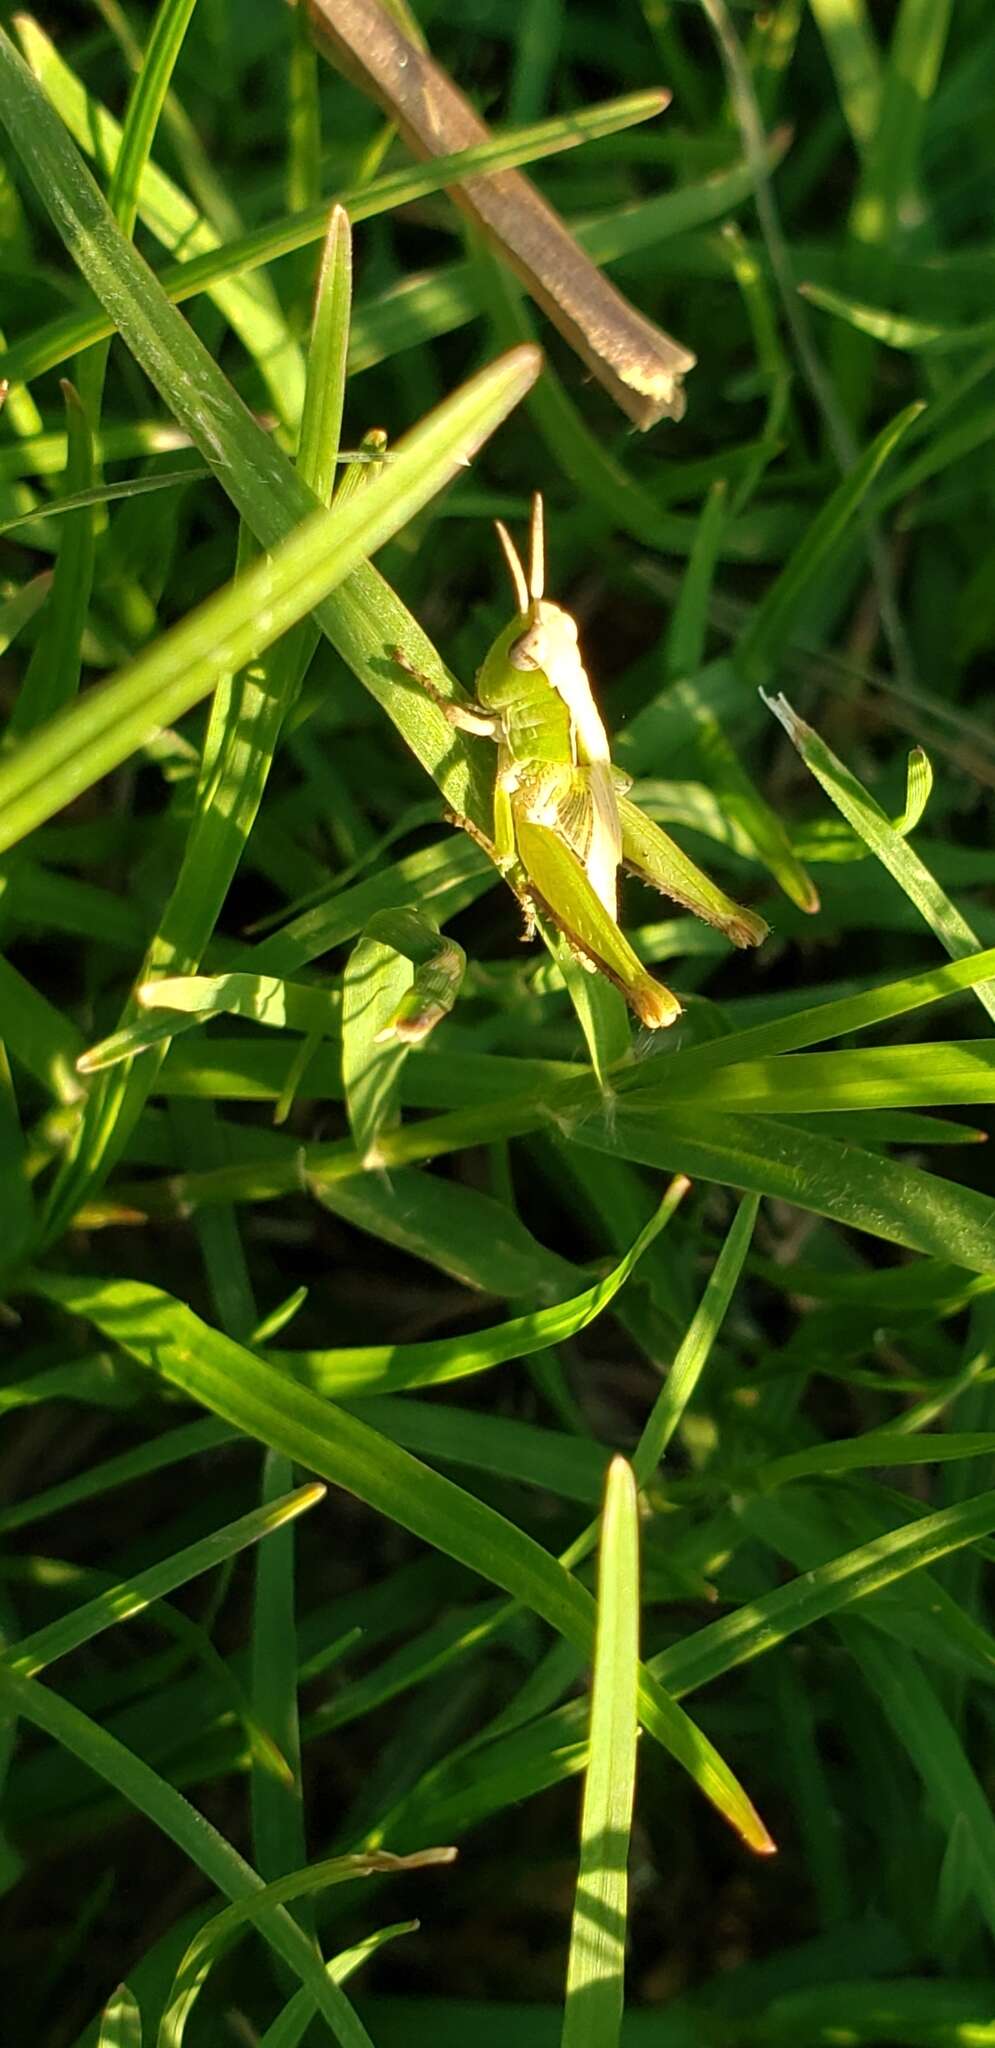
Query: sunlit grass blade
30,1654
266,998
901,330
400,981
121,2021
105,494
385,1368
759,1154
816,1084
104,727
833,1019
878,1448
251,305
854,56
448,876
365,617
595,1969
758,1627
18,610
290,2026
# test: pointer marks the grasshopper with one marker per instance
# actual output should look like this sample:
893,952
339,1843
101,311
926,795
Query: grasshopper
564,822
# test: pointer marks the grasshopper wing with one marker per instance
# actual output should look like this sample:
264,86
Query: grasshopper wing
580,805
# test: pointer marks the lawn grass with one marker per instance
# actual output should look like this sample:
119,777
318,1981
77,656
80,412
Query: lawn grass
323,1358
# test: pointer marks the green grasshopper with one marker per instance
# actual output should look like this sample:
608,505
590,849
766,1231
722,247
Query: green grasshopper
564,823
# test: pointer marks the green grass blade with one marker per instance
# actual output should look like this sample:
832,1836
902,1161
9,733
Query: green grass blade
901,330
592,2015
880,1077
763,642
759,1626
154,1456
250,305
31,1654
38,1036
692,1356
853,53
278,1833
134,142
289,2028
376,980
385,1368
688,629
53,672
18,610
17,1209
219,1933
766,1157
878,1448
934,1747
833,1019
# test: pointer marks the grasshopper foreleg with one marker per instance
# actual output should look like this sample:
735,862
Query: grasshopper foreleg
468,717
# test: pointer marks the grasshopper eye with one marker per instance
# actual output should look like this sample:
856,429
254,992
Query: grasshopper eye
521,653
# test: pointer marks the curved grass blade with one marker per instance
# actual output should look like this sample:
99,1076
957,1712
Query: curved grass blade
877,832
194,1836
165,1336
385,1368
219,1933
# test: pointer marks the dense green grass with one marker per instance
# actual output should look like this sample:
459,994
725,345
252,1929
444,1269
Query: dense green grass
244,1248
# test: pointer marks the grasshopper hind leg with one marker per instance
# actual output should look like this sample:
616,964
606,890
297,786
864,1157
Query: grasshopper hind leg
557,879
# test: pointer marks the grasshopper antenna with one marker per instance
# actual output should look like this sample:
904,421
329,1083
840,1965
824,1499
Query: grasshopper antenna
537,550
517,572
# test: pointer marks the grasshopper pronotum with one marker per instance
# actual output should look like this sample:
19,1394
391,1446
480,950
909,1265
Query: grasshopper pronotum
564,823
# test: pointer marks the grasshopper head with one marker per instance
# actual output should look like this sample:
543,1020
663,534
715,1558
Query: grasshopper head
517,652
542,641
